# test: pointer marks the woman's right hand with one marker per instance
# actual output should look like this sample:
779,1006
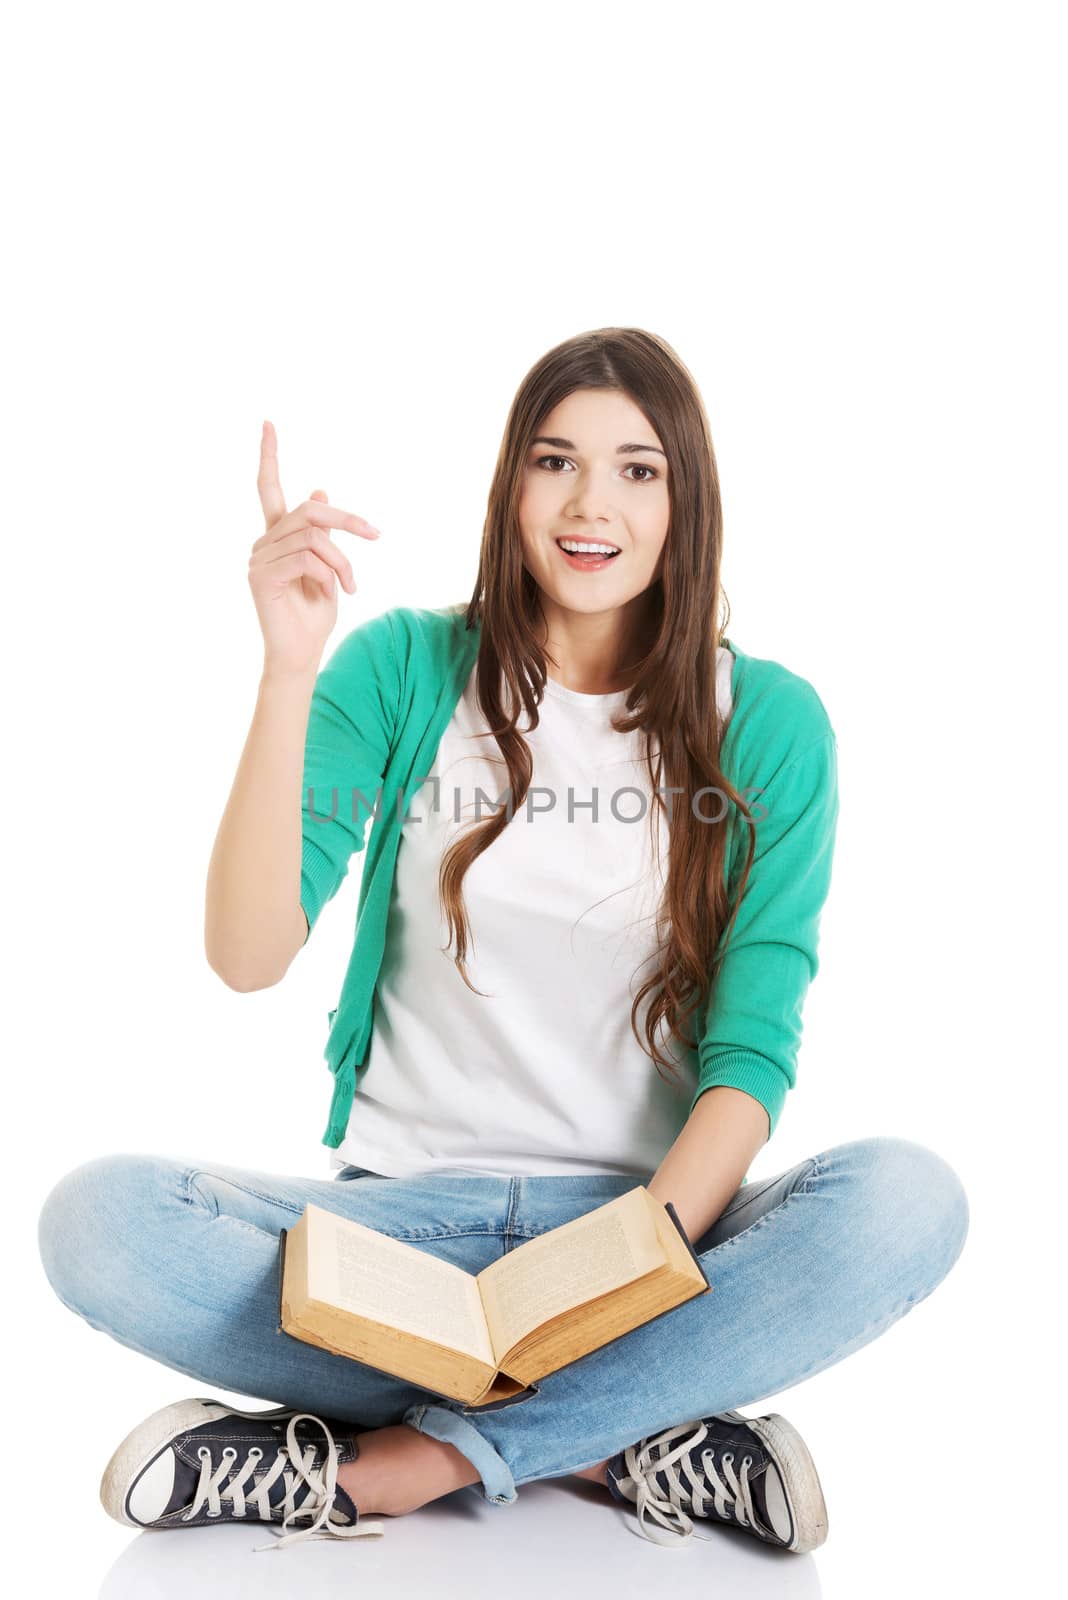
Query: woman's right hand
291,569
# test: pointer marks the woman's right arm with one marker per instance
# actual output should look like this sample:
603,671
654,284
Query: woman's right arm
254,923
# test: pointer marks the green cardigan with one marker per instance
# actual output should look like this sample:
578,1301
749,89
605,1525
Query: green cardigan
378,712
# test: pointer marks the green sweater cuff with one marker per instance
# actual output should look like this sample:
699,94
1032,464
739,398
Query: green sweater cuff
317,875
749,1071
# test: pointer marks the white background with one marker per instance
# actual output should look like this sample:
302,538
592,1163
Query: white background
365,223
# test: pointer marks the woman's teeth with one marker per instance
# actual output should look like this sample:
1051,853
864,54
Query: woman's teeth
588,555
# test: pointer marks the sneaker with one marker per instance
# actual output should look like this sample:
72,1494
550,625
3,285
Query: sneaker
200,1462
752,1472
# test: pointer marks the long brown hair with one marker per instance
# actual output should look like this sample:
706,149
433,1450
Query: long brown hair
672,696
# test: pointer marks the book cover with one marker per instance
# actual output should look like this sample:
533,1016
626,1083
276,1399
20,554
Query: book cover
281,1276
673,1214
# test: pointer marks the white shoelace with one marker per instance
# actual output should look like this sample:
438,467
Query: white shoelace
731,1498
320,1496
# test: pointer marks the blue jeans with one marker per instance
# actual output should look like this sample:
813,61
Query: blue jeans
179,1260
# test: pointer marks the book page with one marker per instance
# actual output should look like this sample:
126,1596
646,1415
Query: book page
609,1247
366,1273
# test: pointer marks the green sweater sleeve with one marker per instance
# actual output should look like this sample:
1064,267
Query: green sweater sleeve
351,726
751,1031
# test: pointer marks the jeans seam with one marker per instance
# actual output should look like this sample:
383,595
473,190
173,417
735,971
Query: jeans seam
809,1182
508,1232
760,1189
212,1206
486,1230
804,1187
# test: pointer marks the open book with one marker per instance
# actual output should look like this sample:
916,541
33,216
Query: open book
487,1338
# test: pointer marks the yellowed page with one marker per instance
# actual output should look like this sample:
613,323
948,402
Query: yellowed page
568,1267
386,1280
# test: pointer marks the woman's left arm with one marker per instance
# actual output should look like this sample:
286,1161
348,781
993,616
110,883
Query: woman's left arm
710,1157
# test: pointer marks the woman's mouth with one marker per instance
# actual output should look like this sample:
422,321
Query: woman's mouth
584,559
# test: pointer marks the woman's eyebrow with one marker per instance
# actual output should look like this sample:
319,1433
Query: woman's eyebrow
624,449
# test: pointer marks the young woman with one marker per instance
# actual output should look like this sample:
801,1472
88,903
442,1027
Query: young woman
588,916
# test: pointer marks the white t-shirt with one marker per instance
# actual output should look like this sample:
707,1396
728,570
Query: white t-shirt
543,1075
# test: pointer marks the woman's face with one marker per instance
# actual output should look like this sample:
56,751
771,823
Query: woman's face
596,472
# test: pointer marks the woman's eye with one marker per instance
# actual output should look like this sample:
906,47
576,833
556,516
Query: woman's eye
639,466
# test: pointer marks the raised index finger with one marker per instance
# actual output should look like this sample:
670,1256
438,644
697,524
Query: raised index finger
271,497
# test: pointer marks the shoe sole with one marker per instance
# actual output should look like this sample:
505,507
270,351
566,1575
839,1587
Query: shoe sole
800,1478
143,1444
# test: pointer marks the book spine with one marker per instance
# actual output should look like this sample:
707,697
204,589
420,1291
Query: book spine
499,1405
673,1214
281,1275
